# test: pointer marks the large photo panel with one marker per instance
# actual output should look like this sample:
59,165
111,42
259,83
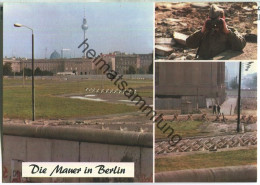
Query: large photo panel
78,87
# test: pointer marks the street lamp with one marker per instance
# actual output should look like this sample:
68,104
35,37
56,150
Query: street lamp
33,97
23,73
239,91
239,97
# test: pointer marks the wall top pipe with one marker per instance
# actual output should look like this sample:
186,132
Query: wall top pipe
246,173
81,134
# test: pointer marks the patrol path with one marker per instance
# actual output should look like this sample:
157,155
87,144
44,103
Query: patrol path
226,106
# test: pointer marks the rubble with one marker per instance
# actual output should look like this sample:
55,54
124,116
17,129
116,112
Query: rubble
180,38
200,5
165,41
251,37
172,56
163,50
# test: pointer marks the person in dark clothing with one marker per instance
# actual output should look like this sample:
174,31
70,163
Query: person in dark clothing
215,36
214,109
218,108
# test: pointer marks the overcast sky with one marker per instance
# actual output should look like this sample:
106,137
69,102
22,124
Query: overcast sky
233,68
126,27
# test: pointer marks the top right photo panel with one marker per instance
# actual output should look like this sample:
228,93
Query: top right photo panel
206,31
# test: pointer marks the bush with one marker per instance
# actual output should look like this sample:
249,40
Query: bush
7,69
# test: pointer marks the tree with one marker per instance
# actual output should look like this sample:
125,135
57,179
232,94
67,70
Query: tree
150,70
131,70
141,71
27,72
37,71
233,83
254,82
47,73
7,69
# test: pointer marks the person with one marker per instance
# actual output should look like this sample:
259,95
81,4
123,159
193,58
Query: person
214,108
218,108
215,36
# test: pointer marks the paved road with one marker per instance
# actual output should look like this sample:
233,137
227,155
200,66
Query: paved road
226,106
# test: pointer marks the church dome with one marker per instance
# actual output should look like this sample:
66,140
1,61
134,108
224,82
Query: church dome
55,55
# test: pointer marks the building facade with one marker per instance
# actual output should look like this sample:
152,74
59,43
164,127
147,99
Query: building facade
145,61
118,62
79,66
15,64
123,62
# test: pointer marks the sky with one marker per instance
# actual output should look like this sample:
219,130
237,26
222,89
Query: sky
125,27
233,68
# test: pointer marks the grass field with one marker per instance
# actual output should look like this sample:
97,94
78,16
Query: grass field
184,129
17,99
207,160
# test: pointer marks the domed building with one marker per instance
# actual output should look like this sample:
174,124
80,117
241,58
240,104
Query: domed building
55,55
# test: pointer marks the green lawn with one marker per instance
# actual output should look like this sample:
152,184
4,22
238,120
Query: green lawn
215,159
184,129
17,99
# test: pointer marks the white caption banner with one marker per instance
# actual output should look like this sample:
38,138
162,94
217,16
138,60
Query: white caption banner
78,169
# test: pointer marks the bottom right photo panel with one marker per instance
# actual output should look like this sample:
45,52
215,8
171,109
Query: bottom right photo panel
206,124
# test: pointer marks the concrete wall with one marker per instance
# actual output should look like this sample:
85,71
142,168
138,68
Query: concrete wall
50,144
175,103
247,173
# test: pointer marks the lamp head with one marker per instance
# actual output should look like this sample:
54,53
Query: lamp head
17,25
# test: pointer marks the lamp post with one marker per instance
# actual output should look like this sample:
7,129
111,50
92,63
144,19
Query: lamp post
239,91
239,97
33,97
23,73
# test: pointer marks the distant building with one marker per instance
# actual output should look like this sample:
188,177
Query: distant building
145,61
110,59
120,62
15,64
123,62
84,66
79,66
53,65
201,83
